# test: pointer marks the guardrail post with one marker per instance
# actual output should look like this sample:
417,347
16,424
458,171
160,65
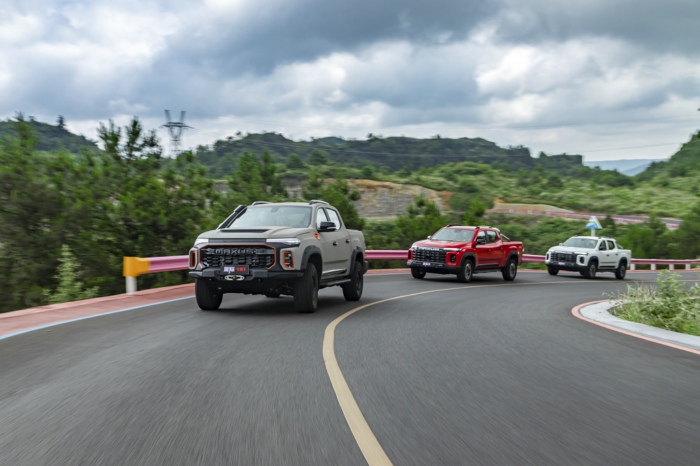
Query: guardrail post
130,285
633,267
653,266
133,267
670,266
687,266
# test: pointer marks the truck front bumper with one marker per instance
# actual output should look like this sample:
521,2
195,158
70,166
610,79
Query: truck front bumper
433,267
253,275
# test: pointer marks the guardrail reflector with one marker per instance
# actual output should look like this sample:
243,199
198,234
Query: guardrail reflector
135,266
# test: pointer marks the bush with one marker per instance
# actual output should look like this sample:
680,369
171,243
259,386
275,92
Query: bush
672,306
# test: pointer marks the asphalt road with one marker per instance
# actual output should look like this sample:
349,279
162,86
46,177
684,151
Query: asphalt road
486,373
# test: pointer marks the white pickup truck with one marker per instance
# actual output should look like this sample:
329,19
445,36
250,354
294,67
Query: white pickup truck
589,255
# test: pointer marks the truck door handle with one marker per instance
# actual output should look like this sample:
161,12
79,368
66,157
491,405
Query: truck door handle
335,243
347,240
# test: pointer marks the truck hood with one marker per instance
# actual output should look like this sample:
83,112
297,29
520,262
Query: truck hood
571,250
253,233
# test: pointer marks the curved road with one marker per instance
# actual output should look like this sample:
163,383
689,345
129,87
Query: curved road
489,372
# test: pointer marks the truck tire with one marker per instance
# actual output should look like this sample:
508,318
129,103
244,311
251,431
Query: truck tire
621,270
306,290
417,273
466,270
552,270
510,270
353,291
207,298
591,269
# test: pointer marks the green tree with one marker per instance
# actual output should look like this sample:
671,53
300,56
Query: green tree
70,286
688,235
423,219
294,162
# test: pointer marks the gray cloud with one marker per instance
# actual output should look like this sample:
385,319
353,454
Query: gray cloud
547,74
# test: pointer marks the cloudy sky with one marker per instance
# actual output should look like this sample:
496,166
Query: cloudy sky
608,79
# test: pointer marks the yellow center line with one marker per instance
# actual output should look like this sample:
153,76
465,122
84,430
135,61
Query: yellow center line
369,445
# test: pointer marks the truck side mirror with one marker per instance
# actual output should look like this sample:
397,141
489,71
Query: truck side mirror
481,241
327,226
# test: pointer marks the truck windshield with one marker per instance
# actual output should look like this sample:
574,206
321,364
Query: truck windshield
454,234
275,215
585,243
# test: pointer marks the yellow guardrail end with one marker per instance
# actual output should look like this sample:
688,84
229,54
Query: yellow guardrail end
135,266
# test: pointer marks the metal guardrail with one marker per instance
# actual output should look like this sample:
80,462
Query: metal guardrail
135,266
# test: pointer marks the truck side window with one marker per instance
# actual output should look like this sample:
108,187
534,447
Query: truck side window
611,245
492,237
481,237
602,246
334,217
321,217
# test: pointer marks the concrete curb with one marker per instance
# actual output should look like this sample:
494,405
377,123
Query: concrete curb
598,312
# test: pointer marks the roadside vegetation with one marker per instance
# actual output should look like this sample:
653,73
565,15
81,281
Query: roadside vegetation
70,211
671,305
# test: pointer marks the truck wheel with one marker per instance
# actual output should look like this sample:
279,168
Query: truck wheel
353,291
591,269
306,290
417,273
552,270
621,271
207,298
465,272
510,270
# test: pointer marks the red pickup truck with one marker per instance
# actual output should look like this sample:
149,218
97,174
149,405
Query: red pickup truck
464,251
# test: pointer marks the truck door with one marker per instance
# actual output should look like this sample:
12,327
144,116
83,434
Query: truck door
488,254
335,245
613,253
604,255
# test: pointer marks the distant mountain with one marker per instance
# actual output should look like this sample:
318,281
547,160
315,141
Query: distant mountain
629,167
390,153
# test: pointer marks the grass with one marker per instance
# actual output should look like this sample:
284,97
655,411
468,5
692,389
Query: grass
671,306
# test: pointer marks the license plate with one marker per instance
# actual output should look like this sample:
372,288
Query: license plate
562,263
427,264
236,269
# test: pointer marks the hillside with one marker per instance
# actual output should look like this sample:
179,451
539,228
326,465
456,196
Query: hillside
382,154
51,138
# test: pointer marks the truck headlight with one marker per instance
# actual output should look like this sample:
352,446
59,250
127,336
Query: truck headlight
286,241
199,241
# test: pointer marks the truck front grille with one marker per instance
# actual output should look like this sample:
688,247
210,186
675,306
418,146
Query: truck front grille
429,255
563,257
253,256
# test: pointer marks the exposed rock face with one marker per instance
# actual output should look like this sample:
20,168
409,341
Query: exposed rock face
383,199
380,199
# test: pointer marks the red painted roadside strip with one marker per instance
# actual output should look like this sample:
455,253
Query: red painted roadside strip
577,313
17,321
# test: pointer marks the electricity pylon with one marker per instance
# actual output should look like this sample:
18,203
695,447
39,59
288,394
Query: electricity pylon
175,128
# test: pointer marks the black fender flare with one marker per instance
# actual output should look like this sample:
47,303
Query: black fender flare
358,256
516,256
469,255
311,251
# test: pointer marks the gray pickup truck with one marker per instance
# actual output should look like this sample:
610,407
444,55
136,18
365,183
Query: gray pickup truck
273,249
